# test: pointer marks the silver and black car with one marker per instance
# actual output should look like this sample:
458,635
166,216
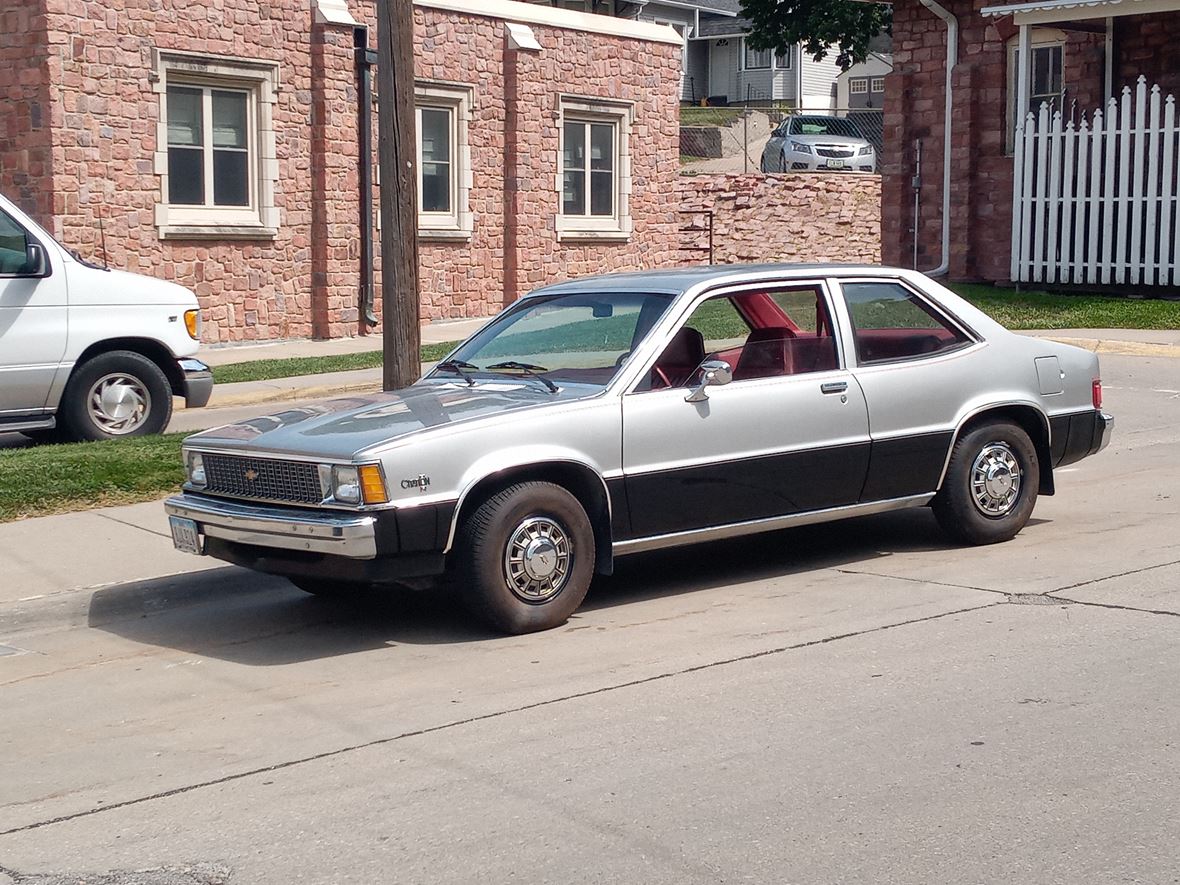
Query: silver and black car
817,142
623,413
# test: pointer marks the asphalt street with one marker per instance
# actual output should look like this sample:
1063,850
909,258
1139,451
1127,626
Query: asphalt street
860,702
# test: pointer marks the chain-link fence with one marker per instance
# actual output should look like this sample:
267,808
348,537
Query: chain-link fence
757,137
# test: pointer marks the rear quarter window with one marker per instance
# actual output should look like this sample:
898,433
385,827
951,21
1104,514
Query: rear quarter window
889,322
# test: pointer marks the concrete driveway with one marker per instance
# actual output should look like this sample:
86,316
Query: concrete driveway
858,702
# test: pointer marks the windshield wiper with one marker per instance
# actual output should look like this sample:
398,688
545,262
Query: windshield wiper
459,367
529,369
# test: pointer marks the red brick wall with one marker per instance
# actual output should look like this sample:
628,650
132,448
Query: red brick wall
823,216
1147,45
27,118
98,134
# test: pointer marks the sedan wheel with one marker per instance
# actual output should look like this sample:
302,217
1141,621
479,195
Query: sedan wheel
990,487
526,557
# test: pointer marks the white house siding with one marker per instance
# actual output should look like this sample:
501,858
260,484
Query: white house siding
818,78
873,66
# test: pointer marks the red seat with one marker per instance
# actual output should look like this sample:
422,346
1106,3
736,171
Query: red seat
766,354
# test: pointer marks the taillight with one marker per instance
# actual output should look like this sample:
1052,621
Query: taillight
1096,393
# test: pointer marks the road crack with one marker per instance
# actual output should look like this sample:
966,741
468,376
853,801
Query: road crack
329,754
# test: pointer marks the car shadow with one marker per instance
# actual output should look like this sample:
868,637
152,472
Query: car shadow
239,616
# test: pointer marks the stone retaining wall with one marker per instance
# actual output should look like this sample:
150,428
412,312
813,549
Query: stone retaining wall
821,216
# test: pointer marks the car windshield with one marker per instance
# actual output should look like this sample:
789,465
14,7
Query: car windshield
824,126
580,338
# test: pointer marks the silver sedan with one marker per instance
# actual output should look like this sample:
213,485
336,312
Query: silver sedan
611,415
818,143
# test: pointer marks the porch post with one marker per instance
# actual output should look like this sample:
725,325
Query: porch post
1023,75
1108,51
1023,72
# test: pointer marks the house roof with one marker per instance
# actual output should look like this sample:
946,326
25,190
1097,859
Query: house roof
720,7
1047,11
717,26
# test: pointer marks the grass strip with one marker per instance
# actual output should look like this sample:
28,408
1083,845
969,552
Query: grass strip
1045,310
46,479
268,370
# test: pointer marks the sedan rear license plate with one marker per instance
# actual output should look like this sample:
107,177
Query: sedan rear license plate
185,535
835,164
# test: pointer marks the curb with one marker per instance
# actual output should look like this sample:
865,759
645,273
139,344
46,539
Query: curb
290,393
1122,348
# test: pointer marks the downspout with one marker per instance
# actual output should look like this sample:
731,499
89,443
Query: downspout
366,60
952,59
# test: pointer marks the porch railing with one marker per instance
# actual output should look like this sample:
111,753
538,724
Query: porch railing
1097,202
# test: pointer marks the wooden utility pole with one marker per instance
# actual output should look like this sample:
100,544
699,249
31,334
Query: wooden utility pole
397,152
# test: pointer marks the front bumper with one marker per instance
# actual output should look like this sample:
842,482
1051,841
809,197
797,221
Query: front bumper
349,535
797,161
198,382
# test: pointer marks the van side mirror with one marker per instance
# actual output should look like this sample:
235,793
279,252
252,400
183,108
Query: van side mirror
713,373
36,263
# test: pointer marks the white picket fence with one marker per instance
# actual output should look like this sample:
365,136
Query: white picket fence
1097,202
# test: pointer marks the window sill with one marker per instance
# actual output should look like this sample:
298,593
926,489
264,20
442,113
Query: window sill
216,232
448,236
593,236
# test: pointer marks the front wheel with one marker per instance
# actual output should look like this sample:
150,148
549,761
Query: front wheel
526,557
115,394
991,485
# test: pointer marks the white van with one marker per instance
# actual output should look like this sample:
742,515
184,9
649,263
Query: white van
87,352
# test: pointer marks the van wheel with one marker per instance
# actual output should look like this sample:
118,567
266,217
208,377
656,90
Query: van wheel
991,485
114,395
526,557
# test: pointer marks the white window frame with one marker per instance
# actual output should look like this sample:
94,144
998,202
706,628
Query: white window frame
260,81
746,51
1042,38
788,57
858,86
459,100
618,225
877,84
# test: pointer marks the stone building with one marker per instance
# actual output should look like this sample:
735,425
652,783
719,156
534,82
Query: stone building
218,145
1053,177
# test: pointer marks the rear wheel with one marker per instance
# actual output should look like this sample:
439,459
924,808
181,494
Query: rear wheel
113,395
991,485
526,557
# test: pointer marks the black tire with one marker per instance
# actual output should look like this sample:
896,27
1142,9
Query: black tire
977,503
148,396
328,588
44,437
527,509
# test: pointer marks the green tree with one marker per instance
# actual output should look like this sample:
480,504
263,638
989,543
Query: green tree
820,26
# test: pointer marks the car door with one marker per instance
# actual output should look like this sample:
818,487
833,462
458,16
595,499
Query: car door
32,322
789,434
913,361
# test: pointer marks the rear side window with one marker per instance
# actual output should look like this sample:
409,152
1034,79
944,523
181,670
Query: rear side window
889,322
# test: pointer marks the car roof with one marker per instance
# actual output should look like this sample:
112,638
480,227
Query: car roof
681,279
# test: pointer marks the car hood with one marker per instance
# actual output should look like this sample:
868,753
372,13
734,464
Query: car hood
829,139
342,428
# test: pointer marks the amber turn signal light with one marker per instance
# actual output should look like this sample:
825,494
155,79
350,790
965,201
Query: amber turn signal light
192,322
373,485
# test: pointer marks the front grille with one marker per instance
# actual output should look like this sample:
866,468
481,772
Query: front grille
835,153
263,479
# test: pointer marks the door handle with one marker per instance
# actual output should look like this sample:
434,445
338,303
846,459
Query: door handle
833,387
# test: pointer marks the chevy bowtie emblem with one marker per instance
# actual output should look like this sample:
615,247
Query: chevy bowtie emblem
251,475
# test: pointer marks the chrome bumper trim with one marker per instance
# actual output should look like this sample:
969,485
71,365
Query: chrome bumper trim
198,382
1107,422
353,536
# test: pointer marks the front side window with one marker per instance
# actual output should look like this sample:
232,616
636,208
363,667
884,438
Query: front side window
209,152
593,170
889,323
14,243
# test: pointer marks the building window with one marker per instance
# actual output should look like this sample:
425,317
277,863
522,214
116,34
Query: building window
216,152
1046,80
858,86
782,60
878,84
755,59
594,177
443,111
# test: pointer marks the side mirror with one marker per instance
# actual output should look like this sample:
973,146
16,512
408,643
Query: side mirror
713,373
35,261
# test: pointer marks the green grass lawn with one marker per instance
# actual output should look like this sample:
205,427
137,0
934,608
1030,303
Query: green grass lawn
79,476
693,116
267,370
1045,310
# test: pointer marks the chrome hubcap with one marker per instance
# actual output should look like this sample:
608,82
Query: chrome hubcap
995,480
118,403
537,559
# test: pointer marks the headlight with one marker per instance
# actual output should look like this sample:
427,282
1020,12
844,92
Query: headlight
346,485
800,148
195,465
866,150
353,484
192,322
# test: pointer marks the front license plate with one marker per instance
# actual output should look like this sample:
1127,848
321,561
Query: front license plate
835,164
185,535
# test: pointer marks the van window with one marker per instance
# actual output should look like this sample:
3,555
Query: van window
14,240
